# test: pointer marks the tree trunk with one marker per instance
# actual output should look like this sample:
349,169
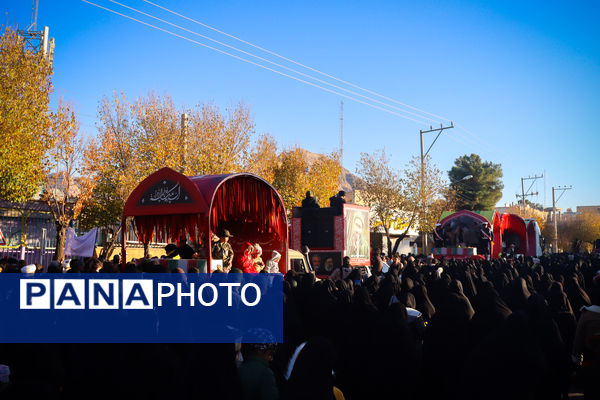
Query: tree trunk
389,241
396,245
107,251
109,246
61,232
404,234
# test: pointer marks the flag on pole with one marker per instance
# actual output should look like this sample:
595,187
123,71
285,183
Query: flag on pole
82,246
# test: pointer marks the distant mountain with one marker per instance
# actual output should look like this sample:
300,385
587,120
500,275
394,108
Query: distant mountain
347,182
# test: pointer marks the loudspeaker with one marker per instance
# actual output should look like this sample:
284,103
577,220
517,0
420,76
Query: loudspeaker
317,228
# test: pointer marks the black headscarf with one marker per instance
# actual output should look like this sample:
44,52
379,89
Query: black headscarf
577,296
311,376
490,312
408,299
563,315
558,300
456,305
516,294
424,304
407,284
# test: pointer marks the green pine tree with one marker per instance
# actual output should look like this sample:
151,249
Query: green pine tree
483,190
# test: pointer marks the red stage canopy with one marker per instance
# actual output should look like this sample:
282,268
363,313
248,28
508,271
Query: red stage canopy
170,204
514,232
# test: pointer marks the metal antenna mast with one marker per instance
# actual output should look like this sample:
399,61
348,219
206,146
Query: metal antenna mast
34,12
38,41
342,132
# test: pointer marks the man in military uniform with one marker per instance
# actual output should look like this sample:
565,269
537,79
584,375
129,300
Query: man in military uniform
485,239
222,250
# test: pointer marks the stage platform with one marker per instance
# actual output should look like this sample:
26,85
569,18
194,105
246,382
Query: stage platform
454,252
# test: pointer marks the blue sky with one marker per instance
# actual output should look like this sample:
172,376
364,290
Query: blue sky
521,79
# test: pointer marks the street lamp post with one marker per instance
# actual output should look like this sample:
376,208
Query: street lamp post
464,178
454,183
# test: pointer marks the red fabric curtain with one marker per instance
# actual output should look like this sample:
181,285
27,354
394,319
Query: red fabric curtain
167,228
247,200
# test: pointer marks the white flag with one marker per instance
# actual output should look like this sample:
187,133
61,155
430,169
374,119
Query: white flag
82,246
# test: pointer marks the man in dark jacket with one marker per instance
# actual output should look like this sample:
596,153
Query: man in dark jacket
258,380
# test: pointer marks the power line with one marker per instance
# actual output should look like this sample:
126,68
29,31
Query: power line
483,142
256,64
299,64
461,139
271,62
479,139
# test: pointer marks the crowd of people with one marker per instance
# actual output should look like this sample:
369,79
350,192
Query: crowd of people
455,329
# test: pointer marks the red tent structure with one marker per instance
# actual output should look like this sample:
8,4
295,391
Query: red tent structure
168,205
514,231
473,221
534,248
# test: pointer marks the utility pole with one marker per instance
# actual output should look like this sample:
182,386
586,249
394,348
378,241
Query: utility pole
554,201
423,155
184,134
342,132
525,194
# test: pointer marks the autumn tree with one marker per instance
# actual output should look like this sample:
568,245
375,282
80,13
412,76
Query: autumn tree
218,143
323,176
576,234
115,161
381,187
530,213
290,177
262,158
157,135
398,196
25,87
67,185
295,174
484,189
429,196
